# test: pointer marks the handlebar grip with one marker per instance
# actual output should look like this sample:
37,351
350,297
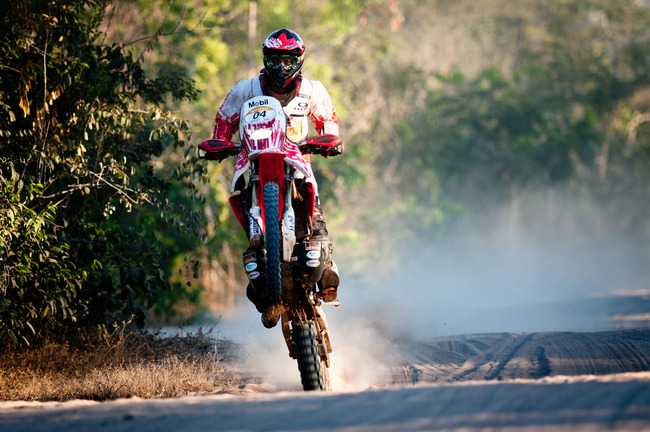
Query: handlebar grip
325,145
216,149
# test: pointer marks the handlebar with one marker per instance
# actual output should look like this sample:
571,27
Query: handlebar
217,149
325,145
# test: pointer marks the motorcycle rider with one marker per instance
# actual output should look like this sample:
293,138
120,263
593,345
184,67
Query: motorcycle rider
283,54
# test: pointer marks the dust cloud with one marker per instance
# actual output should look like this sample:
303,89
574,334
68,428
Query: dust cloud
361,358
544,262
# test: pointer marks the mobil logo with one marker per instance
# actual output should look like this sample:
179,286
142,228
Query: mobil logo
259,102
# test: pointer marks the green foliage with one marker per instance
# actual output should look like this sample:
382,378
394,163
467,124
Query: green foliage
39,281
81,123
489,136
491,131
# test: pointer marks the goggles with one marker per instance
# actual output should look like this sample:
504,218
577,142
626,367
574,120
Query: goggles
282,61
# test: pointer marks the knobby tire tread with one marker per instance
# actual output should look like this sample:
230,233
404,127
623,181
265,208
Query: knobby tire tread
272,240
309,362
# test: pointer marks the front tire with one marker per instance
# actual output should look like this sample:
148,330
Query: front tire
272,240
309,362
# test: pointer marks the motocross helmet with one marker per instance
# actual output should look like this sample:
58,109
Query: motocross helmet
284,53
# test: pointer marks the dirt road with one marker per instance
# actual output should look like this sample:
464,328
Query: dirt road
506,382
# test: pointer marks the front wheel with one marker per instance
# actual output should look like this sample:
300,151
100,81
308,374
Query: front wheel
313,373
272,240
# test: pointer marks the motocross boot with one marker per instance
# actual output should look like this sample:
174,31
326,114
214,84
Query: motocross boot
271,315
259,302
252,260
329,282
269,321
263,306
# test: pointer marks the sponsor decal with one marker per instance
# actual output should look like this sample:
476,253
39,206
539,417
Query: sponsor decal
295,132
313,254
253,275
260,108
251,266
312,263
248,258
312,246
258,103
297,108
290,222
259,117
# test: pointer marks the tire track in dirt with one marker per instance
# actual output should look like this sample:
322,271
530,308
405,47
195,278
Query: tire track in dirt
633,354
430,362
598,353
543,364
496,373
528,355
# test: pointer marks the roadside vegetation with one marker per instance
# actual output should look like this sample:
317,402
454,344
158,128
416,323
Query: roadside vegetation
111,363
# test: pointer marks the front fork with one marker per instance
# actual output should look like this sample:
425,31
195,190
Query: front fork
299,317
288,223
255,222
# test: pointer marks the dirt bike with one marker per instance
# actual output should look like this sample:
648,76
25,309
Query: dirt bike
276,209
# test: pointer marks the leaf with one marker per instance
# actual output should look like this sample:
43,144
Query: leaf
28,324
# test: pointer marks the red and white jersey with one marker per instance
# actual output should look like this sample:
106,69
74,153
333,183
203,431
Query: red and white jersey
312,101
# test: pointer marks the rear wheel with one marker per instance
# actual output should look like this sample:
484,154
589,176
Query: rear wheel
309,362
272,240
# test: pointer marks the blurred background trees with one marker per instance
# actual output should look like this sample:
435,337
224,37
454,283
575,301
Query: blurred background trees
448,110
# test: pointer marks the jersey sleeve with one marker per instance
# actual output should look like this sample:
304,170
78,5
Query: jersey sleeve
322,111
226,122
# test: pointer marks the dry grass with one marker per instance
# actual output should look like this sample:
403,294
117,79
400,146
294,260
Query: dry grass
116,364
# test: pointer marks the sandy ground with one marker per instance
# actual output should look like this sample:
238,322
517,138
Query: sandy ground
553,381
620,402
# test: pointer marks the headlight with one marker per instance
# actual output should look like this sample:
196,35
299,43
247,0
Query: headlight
259,134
